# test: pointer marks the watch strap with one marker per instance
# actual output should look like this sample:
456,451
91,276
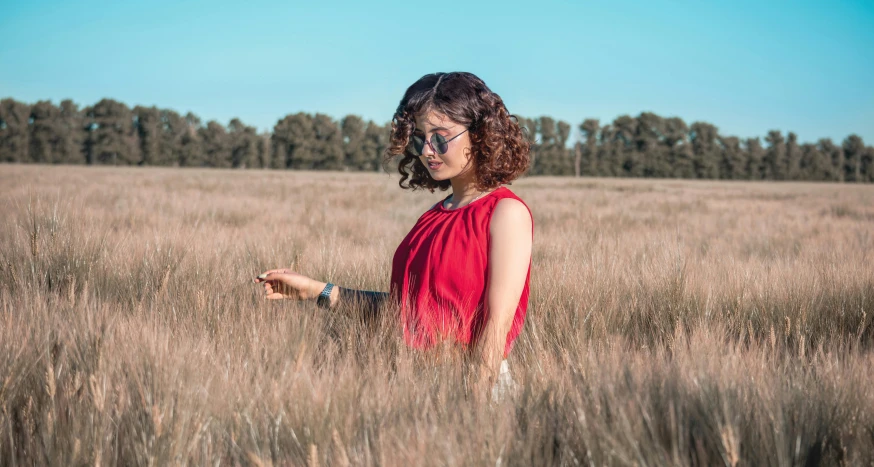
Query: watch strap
324,300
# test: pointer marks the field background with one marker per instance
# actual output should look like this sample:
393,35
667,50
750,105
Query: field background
670,323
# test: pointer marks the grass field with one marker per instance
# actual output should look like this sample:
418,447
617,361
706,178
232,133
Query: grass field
671,323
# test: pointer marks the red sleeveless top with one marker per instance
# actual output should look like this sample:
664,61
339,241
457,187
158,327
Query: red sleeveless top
440,272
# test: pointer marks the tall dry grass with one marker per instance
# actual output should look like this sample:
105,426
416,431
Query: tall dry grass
670,323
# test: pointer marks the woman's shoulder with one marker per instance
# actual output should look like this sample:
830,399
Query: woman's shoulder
506,197
509,208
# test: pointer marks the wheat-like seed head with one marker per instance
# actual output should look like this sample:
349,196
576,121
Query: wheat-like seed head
50,381
12,274
802,345
731,444
71,288
157,419
96,393
257,461
313,456
27,414
750,329
342,458
77,446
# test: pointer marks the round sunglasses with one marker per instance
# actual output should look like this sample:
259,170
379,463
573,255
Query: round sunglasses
438,143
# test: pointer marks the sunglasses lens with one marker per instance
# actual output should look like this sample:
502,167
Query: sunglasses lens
418,144
439,143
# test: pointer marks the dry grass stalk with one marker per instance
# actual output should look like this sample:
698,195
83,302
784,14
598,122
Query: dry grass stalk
750,330
788,327
731,445
77,448
157,419
342,457
257,461
97,395
13,277
651,301
313,456
71,289
34,241
50,382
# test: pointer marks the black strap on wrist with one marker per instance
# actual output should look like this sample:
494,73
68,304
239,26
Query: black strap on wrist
324,300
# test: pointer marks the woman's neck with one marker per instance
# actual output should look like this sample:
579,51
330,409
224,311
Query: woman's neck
463,190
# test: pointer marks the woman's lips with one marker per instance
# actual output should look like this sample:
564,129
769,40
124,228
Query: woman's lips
434,165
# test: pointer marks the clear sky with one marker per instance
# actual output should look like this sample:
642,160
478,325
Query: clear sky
746,66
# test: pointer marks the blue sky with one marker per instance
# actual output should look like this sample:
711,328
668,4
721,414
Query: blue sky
745,66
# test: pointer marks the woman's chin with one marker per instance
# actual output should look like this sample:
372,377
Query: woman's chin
438,176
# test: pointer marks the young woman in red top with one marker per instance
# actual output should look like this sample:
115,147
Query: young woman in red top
462,273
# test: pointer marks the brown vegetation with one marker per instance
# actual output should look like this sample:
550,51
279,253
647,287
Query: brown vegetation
671,322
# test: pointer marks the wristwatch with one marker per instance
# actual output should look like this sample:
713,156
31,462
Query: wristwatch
324,300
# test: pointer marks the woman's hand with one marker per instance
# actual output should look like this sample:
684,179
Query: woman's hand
287,284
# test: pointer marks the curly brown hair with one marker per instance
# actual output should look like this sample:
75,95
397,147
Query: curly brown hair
500,150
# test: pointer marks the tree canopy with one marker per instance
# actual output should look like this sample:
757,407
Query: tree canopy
648,145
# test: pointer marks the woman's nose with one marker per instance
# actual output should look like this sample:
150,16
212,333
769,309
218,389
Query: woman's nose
427,147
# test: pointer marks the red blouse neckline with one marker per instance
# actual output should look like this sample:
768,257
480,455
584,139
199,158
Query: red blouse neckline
441,208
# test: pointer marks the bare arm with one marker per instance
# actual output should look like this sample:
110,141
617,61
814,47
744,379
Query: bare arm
286,284
509,259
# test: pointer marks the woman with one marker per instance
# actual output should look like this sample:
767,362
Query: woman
461,275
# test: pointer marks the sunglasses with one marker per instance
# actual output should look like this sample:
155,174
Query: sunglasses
438,143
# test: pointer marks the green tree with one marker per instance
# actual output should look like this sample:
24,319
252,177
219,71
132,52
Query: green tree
679,150
793,157
112,136
706,155
733,162
45,138
773,165
814,164
651,145
243,141
357,156
553,157
294,137
376,139
833,159
216,145
328,143
868,164
173,128
854,147
609,154
624,143
264,150
294,140
70,133
191,149
546,163
755,159
588,163
148,128
14,131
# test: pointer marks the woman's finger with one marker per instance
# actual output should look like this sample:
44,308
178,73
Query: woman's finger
261,277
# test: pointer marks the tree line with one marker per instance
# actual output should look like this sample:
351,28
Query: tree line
648,145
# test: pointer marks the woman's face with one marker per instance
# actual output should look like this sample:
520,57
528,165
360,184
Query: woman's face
456,161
